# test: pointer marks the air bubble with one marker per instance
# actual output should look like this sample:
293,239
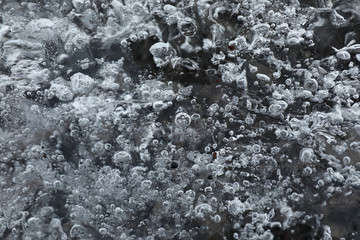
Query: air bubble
256,148
343,55
195,117
76,231
81,83
146,184
346,160
311,85
162,53
103,231
307,171
217,218
262,77
121,157
306,155
133,37
182,119
187,27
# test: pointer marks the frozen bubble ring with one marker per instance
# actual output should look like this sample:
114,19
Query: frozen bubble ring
182,119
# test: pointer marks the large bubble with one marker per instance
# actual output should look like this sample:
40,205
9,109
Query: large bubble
182,120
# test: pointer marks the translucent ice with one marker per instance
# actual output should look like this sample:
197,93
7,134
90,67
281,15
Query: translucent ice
62,92
182,119
162,53
311,85
81,83
121,157
343,55
263,77
187,27
306,155
202,210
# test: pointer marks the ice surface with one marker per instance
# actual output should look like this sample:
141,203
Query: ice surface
134,119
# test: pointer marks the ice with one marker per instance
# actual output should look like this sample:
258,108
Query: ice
62,92
162,53
41,29
294,41
179,119
75,40
121,157
236,207
187,27
217,58
202,210
343,55
158,106
306,155
182,119
263,77
81,83
78,4
311,85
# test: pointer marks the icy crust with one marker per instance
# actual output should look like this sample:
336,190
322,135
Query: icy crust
179,119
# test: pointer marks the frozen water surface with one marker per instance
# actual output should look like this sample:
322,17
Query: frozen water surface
190,119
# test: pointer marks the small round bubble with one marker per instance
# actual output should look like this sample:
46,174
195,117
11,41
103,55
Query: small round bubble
217,218
256,148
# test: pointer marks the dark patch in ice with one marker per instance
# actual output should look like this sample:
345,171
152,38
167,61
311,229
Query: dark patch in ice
58,202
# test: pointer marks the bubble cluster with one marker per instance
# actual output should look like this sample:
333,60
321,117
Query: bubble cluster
179,119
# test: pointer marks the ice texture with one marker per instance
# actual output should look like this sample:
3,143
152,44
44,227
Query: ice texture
135,119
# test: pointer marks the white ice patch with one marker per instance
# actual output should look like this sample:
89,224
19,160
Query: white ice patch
262,77
62,92
81,83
